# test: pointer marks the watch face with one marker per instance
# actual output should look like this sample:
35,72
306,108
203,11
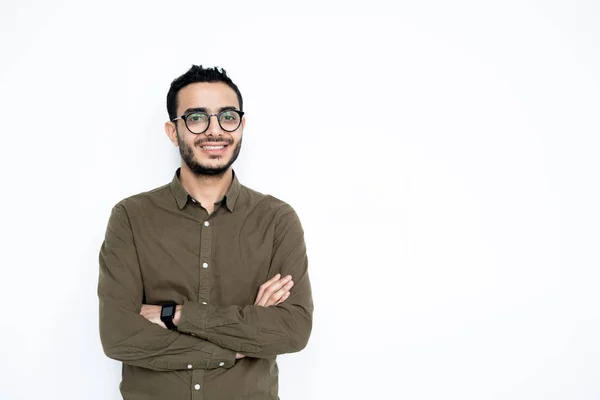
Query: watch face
167,311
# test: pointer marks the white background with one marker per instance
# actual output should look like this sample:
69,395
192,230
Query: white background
442,156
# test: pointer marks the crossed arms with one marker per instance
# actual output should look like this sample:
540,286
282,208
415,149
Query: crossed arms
275,291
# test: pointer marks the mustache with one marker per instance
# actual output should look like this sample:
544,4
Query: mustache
202,142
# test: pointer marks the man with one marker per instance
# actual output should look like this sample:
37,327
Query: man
196,276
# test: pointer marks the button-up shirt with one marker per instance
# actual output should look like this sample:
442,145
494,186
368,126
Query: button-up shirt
162,246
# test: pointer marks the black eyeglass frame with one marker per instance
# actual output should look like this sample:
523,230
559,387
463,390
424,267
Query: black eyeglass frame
218,115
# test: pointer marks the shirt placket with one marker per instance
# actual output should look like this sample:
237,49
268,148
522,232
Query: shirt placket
206,238
197,384
204,276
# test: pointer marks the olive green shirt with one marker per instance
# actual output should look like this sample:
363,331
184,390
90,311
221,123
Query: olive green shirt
163,246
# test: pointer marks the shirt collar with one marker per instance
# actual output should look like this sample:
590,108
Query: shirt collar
182,196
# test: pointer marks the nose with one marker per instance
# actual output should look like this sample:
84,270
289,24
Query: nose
214,128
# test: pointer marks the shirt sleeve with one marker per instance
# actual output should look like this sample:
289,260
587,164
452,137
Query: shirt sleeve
257,331
125,334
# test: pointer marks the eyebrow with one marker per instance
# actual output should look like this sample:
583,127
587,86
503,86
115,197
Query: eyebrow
205,110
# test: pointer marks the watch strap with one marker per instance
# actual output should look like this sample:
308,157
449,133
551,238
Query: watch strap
169,324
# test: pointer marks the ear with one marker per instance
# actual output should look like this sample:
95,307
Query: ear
243,122
171,132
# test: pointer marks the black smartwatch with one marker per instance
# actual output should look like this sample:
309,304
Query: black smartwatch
167,313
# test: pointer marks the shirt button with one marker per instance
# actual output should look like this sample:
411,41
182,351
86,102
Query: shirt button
204,303
206,223
221,364
193,334
190,366
205,265
197,386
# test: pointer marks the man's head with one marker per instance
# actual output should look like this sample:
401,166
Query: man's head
208,144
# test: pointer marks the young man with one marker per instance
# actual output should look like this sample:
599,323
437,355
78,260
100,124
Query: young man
196,276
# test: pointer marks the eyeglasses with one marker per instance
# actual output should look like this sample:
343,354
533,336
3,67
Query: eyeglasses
198,122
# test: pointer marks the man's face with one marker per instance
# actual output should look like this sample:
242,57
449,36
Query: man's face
215,150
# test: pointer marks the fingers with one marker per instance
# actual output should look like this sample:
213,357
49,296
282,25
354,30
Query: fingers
283,298
152,314
264,286
146,311
272,288
277,297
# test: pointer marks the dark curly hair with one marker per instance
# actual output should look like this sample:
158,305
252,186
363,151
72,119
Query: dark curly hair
197,73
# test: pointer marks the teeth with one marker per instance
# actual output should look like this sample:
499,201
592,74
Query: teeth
212,147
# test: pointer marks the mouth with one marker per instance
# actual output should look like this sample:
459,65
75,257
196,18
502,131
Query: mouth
213,148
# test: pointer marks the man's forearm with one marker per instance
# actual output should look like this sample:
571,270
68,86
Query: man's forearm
129,338
251,330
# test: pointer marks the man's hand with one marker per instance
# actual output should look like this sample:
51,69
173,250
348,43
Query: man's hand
152,314
274,291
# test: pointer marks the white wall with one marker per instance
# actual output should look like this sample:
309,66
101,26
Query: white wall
443,157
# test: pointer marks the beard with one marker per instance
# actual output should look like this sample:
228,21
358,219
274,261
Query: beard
187,155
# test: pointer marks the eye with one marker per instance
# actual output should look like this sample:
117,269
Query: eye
196,117
229,116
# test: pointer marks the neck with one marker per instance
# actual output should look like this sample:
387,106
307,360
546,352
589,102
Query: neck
206,189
